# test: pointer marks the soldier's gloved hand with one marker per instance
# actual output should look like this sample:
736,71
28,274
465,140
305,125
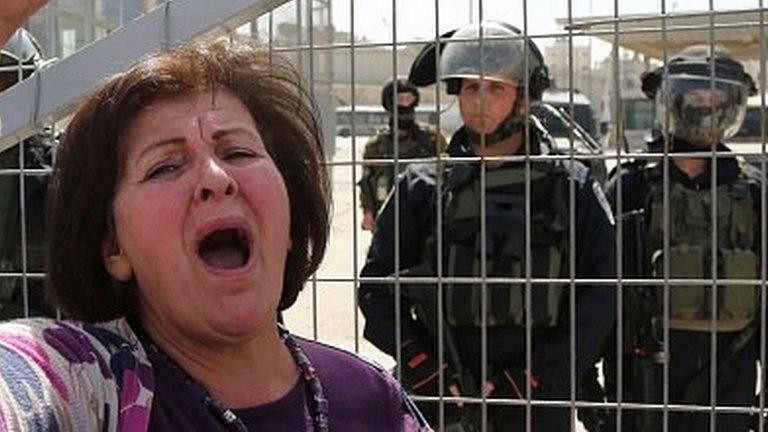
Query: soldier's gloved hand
369,221
509,383
421,370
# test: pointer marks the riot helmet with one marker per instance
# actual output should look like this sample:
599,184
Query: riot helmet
702,96
406,112
495,51
19,58
503,58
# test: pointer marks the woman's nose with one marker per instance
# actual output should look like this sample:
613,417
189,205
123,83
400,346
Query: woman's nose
215,182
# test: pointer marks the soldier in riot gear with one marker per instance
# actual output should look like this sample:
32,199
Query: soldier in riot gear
413,141
495,81
19,58
700,99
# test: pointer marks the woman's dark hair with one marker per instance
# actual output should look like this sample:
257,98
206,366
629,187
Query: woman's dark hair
90,162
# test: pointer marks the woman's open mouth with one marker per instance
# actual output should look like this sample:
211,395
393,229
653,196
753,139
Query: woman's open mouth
225,249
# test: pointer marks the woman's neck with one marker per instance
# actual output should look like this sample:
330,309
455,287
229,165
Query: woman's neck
244,374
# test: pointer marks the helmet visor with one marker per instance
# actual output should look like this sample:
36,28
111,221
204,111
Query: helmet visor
490,51
700,110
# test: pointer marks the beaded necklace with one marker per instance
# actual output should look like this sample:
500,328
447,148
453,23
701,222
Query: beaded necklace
316,405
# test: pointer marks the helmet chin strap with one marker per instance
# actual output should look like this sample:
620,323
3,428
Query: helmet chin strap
511,125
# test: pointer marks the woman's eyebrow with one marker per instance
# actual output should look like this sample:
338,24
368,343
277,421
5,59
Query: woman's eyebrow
159,144
220,133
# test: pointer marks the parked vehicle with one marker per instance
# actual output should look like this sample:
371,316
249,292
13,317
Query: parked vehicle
555,113
370,118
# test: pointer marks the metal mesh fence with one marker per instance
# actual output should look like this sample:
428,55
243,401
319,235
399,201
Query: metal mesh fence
596,116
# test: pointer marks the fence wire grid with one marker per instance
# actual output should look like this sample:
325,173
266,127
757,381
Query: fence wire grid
595,112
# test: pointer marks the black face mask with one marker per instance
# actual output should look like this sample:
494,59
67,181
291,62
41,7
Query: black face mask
693,115
406,118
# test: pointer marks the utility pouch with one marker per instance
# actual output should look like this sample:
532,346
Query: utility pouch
737,302
687,303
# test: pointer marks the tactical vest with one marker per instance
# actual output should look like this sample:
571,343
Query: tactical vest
505,249
420,147
690,254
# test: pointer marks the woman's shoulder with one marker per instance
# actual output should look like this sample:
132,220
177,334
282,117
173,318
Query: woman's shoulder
347,374
71,366
75,341
360,392
347,362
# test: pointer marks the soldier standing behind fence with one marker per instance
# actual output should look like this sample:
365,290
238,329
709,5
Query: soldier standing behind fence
494,103
413,141
700,107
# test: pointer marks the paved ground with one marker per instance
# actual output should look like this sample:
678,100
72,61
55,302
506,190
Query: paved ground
326,310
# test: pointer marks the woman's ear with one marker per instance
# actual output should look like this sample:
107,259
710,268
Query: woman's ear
115,261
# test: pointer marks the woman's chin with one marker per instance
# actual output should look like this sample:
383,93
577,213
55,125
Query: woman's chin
242,322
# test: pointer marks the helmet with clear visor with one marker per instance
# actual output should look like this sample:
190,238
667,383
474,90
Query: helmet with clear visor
493,51
19,58
702,98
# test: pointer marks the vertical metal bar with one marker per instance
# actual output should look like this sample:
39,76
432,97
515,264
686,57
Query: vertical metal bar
395,143
50,28
271,42
23,222
355,165
54,154
618,140
483,231
763,226
311,33
665,223
439,221
311,69
528,207
23,207
713,252
572,289
166,42
299,39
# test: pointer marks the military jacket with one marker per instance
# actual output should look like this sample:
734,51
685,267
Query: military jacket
689,235
378,179
418,198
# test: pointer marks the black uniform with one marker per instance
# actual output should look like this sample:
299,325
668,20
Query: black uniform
506,343
689,350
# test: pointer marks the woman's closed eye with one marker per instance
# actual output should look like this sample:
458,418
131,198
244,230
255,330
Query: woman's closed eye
239,155
164,169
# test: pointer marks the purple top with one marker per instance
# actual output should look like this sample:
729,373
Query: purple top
75,376
361,397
